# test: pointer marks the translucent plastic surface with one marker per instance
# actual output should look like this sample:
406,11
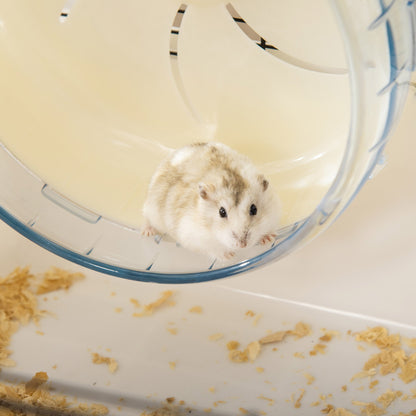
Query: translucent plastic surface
87,113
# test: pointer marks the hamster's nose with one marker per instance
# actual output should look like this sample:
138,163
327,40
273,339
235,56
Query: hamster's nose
243,240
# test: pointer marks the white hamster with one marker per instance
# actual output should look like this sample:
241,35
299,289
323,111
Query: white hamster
211,200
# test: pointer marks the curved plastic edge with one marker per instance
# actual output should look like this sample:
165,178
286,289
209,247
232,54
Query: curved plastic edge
135,274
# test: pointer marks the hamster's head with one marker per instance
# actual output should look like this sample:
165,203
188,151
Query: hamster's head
239,214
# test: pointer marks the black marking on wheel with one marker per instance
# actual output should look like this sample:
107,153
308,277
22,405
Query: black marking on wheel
261,42
174,56
66,10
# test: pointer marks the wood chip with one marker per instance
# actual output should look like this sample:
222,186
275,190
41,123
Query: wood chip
274,338
99,359
196,309
150,308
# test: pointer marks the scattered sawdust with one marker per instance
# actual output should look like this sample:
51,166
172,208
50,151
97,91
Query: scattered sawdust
267,399
301,330
150,308
250,353
166,411
253,349
196,309
34,396
326,338
232,345
340,412
410,342
379,336
391,356
318,349
309,377
364,373
216,337
257,319
57,279
329,335
298,403
298,355
99,359
369,409
408,373
135,302
373,384
273,338
19,304
387,398
327,409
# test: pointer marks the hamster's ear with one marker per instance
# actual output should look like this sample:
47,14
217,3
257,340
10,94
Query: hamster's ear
263,182
205,190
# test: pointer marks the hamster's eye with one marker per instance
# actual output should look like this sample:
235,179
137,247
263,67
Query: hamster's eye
223,212
253,209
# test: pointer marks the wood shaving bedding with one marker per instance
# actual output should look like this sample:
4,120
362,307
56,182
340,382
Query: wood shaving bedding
301,330
298,403
135,302
216,337
369,409
150,308
57,279
195,309
387,398
391,356
318,349
19,303
390,359
99,359
340,412
309,377
253,349
165,411
379,336
33,397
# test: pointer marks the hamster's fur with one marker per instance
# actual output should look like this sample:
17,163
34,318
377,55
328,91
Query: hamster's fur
211,200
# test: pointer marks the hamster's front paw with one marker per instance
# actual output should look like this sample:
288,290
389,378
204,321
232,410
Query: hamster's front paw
148,230
228,255
268,238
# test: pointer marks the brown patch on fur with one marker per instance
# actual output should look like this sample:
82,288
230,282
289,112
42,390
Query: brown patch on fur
231,178
166,181
264,182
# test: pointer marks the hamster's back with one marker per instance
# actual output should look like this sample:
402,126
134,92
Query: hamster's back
173,190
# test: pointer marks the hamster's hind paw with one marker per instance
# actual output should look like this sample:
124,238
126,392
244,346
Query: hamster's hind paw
148,231
268,238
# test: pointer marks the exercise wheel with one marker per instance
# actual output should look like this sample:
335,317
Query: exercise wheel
95,92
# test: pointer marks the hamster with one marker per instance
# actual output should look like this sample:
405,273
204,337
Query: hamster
211,200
